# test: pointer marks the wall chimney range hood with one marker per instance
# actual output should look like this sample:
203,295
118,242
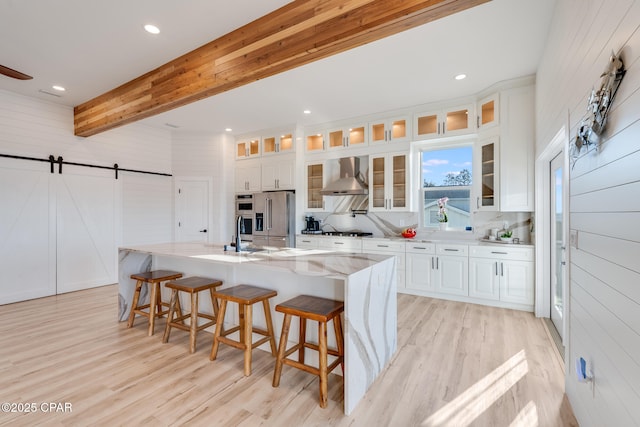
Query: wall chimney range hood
350,181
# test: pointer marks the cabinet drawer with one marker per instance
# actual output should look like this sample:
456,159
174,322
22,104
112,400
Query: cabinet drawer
382,245
452,250
346,244
421,248
307,242
502,252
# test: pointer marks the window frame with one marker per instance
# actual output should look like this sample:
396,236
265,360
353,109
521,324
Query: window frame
421,146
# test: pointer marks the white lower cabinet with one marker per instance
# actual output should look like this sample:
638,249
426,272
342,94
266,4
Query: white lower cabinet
502,274
420,259
388,247
451,269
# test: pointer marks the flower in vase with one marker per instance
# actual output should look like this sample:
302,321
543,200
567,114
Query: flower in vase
442,209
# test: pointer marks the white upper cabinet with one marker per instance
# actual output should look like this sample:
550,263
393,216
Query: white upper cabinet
278,142
444,122
315,141
248,147
488,112
247,176
517,145
343,137
278,174
395,129
315,183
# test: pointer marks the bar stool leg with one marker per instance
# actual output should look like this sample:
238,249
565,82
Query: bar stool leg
282,347
302,339
322,362
337,326
193,326
152,307
267,316
219,322
247,335
172,306
134,304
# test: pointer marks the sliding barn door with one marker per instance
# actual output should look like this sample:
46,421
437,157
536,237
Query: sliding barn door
86,228
27,242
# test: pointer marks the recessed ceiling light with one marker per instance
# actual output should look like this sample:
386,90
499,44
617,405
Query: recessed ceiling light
152,29
58,88
461,76
228,129
307,111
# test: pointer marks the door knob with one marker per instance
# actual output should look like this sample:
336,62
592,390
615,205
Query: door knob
203,231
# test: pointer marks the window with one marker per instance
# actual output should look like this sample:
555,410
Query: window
447,172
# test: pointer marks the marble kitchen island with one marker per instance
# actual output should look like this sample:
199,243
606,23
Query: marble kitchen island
365,282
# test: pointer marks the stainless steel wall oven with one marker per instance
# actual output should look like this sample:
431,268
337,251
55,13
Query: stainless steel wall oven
244,209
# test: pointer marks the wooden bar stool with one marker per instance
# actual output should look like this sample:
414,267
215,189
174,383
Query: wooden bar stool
321,310
192,286
153,279
245,296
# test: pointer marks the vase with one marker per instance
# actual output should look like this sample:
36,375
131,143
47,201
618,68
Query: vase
443,226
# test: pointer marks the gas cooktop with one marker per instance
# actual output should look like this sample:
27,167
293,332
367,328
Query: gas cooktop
347,233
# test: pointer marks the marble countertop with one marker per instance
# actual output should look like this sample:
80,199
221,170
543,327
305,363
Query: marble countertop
310,262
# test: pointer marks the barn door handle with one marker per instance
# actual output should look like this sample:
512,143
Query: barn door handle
203,231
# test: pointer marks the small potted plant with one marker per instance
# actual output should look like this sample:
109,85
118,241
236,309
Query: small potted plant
506,236
443,219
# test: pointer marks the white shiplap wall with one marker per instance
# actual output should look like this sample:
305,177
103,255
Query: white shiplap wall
604,303
197,154
34,128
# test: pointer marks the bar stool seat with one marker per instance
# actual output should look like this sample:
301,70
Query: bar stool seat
321,310
245,296
192,286
153,279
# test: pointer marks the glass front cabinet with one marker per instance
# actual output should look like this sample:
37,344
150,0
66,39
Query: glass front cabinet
488,112
389,182
487,174
246,148
347,137
442,123
280,143
389,130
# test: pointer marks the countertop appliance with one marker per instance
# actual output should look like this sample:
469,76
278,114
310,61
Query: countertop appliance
313,225
274,219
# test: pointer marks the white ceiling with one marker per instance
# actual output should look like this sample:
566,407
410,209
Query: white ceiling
90,47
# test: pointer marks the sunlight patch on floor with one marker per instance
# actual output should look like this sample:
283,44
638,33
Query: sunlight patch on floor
528,417
469,405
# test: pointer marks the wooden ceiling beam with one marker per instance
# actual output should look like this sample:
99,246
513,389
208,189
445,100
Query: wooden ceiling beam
298,33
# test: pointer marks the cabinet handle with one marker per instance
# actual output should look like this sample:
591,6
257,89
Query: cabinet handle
451,250
338,243
306,241
432,263
438,128
382,246
418,247
496,268
500,253
437,263
478,122
444,127
478,202
501,269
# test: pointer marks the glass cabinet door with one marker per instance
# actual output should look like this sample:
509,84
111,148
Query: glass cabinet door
314,185
356,136
378,184
315,142
393,130
399,197
269,145
488,112
248,148
428,125
286,142
488,164
457,120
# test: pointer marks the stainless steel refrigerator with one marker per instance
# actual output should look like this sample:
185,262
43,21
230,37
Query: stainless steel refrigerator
274,219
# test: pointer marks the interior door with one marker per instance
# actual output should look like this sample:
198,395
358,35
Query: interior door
557,249
192,210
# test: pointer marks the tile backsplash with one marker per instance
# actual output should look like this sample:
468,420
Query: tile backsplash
391,224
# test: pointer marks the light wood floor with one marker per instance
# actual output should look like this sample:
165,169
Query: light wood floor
457,365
